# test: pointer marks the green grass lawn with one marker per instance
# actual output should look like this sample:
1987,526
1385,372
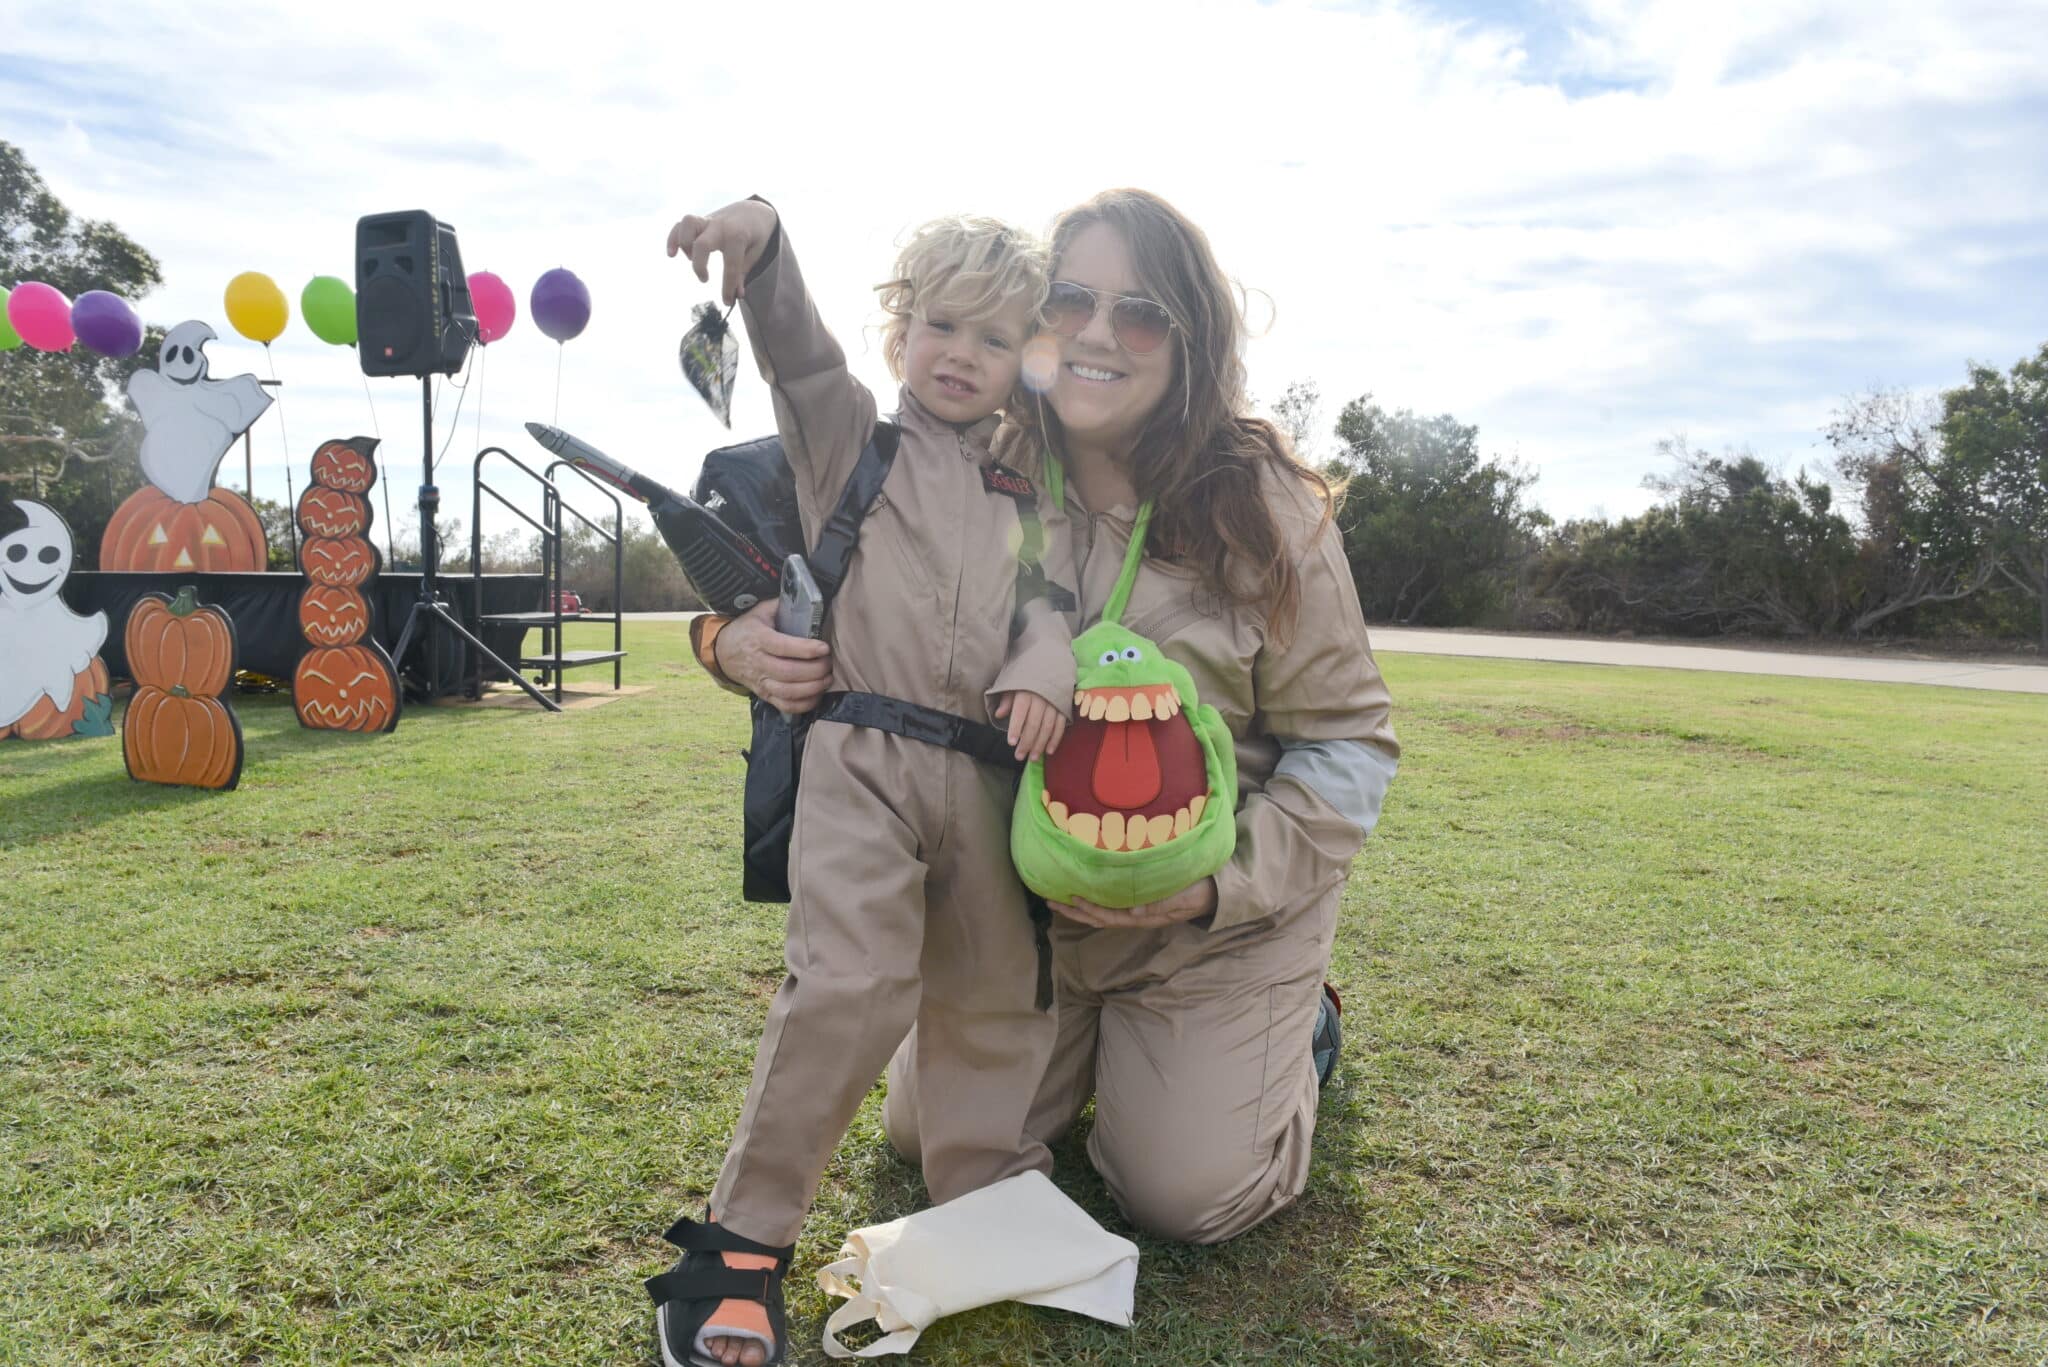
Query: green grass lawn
1692,1018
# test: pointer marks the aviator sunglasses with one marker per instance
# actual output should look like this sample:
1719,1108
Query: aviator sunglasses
1140,325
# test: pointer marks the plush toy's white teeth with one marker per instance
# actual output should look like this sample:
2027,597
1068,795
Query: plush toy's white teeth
1126,704
1123,830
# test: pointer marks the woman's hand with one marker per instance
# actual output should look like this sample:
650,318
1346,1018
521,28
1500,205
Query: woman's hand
741,231
789,673
1191,903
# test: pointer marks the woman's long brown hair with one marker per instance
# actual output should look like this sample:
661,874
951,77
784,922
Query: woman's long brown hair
1199,455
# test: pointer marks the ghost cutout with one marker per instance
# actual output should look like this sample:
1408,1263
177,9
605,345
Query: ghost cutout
44,645
189,420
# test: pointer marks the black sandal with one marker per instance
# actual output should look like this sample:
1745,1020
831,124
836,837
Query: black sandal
688,1294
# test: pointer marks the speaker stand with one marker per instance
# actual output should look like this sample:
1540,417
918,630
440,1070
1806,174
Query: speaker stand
428,611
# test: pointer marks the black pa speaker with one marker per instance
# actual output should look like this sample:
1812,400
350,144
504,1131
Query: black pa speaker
413,315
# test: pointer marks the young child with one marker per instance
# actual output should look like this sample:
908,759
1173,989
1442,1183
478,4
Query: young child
895,916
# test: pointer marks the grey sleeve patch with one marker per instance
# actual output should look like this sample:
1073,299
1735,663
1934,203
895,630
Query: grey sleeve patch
1349,775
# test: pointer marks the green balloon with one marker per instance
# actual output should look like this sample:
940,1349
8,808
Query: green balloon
329,308
9,338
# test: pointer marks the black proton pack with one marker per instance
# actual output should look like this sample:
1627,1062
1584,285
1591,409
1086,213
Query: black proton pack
731,539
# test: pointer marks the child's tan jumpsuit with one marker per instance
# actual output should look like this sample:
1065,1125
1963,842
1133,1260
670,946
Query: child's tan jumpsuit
1194,1039
904,908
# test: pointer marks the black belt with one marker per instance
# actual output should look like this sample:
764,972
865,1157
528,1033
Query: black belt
976,739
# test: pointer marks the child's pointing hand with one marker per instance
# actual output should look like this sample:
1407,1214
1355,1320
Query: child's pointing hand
740,231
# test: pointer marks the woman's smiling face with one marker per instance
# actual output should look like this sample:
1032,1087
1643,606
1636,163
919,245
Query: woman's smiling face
1104,393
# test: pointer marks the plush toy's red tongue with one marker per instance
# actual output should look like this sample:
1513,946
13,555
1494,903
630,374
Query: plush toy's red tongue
1139,768
1126,767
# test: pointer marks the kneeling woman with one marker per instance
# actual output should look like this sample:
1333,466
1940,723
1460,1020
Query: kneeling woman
1189,1019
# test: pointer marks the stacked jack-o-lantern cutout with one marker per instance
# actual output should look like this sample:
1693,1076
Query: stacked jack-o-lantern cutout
344,681
179,728
179,521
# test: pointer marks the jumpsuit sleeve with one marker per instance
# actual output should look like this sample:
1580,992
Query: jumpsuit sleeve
1040,658
822,413
704,629
1322,698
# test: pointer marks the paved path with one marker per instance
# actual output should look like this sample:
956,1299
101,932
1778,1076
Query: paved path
2006,678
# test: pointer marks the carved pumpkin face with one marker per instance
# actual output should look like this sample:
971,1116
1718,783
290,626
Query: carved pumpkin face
349,688
333,616
332,512
347,465
153,532
337,561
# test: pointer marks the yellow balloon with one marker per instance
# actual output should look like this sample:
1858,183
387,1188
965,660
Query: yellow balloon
256,307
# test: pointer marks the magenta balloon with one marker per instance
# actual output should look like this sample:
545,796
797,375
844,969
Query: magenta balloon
107,323
42,315
561,304
495,307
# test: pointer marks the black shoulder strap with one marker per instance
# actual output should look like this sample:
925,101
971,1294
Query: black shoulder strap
835,543
1031,580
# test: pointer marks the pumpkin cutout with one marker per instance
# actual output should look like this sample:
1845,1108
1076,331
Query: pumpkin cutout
347,465
333,512
338,561
333,616
153,532
180,645
178,729
346,688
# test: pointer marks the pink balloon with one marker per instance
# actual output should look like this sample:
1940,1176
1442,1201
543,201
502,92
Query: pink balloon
495,307
42,315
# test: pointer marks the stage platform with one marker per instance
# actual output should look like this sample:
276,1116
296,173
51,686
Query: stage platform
265,610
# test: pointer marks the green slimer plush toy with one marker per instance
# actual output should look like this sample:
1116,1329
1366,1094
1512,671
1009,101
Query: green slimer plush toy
1140,800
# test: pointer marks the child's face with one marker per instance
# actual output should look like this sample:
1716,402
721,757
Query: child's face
963,371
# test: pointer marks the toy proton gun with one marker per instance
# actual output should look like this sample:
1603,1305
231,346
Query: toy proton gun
730,570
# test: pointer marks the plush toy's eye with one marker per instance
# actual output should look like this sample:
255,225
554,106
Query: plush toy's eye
1133,653
1109,657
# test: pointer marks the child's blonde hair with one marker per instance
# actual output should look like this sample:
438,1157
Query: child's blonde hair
972,267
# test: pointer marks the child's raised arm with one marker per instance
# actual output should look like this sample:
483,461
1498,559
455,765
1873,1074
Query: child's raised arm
823,414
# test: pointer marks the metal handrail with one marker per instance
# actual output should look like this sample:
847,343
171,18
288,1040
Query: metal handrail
550,537
617,536
550,529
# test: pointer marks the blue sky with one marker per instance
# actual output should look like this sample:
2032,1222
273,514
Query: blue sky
1583,226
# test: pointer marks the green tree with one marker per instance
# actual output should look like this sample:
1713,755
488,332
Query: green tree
1734,547
1994,433
1920,542
1434,532
67,434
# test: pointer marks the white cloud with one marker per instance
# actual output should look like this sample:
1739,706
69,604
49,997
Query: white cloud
1583,233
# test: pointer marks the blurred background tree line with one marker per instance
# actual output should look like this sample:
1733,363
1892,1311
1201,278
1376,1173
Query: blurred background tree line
1930,520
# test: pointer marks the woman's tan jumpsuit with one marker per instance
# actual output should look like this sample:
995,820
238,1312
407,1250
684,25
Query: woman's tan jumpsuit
1194,1040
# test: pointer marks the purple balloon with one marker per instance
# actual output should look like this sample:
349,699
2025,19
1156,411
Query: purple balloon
107,323
560,304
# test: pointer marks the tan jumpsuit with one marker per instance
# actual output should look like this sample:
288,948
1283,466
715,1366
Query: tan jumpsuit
904,908
1194,1040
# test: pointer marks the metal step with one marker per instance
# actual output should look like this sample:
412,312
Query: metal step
570,659
547,619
